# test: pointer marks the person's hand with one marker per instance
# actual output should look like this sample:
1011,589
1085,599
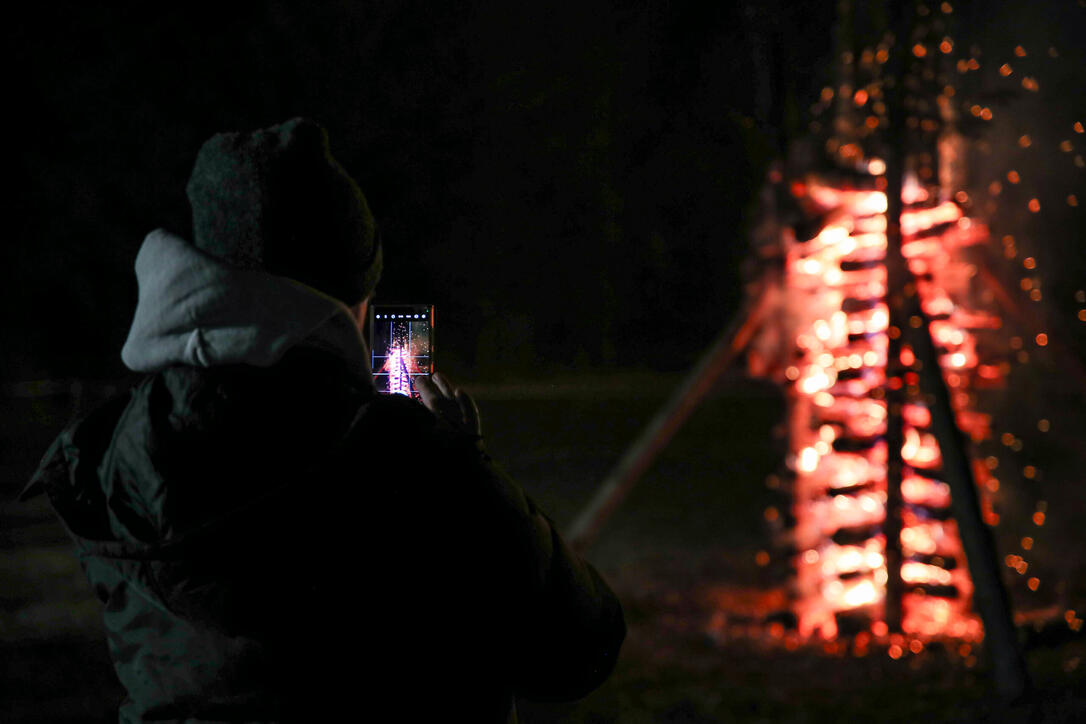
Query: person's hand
450,404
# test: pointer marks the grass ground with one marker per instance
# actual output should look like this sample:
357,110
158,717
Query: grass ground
680,552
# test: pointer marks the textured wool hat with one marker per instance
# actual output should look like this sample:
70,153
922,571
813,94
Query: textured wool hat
276,200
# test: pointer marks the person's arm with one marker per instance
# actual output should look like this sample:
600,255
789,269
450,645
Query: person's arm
570,627
577,629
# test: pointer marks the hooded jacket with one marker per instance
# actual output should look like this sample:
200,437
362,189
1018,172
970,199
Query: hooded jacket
273,541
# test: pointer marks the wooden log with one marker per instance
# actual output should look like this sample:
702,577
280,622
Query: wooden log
667,421
989,596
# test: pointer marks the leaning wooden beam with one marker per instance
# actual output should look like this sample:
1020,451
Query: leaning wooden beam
897,277
989,595
669,419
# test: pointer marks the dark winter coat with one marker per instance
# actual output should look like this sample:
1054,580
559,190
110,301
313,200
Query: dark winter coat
281,544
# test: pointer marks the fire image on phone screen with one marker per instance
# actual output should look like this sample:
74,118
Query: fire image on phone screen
402,338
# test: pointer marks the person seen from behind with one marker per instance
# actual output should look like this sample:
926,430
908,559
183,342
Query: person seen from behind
271,539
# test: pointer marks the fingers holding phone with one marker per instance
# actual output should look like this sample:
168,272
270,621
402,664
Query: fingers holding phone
450,403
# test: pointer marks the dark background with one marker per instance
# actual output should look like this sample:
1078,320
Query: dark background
568,184
573,187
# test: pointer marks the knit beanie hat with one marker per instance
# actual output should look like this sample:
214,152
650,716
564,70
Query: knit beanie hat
275,200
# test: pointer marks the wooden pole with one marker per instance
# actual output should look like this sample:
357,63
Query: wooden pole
667,421
896,280
989,595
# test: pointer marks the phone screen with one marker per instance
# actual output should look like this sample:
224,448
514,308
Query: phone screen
402,348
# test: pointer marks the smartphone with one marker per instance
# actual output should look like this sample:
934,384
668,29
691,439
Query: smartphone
402,346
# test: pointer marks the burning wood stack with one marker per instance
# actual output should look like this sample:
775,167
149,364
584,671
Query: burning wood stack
868,316
827,344
875,291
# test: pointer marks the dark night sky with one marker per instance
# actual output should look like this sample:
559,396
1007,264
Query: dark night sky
567,184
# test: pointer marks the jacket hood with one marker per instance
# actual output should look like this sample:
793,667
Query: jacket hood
194,313
196,310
